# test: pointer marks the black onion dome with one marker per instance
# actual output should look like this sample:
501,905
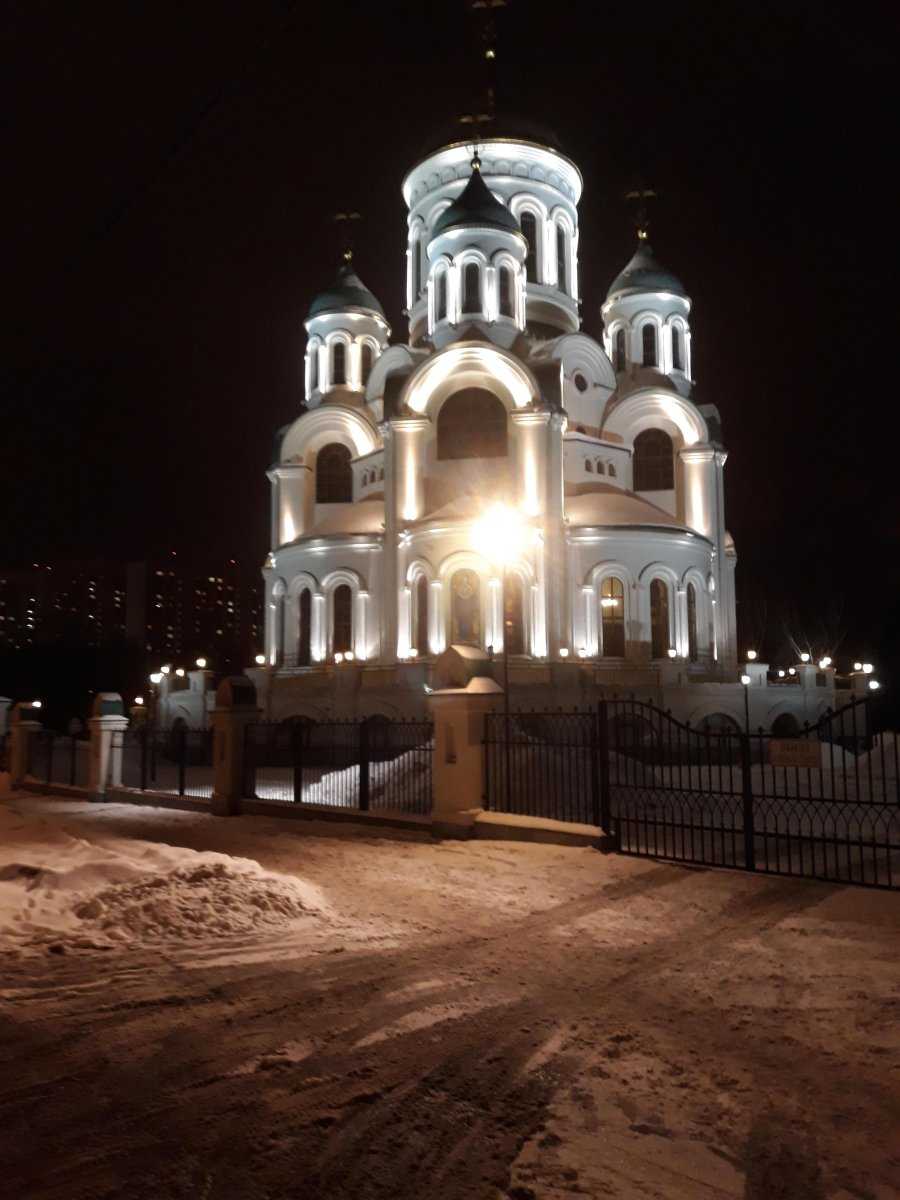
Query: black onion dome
644,274
347,291
476,205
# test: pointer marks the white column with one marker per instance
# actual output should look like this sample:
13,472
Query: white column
494,631
409,472
698,502
437,637
361,638
318,640
293,500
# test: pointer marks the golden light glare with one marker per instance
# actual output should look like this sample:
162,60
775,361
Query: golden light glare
501,534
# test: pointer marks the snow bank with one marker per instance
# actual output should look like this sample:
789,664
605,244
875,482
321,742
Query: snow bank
58,889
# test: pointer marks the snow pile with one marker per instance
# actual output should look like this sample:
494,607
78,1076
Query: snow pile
55,888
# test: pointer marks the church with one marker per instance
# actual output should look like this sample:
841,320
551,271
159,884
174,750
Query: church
502,479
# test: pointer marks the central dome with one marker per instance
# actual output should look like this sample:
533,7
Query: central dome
476,205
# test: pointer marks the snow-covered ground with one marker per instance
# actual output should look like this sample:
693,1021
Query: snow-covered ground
248,1008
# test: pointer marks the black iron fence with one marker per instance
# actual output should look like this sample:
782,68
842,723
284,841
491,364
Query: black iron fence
371,764
177,761
825,804
59,758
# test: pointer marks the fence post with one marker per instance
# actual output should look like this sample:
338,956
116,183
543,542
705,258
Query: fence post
107,725
298,732
235,709
749,822
23,728
181,753
459,753
364,766
602,756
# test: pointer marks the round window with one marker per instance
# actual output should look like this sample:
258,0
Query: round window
580,382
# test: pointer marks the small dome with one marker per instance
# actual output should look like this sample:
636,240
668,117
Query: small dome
645,274
476,205
347,291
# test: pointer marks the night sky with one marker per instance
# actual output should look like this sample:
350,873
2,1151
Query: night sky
170,174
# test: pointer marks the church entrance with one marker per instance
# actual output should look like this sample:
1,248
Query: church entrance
465,608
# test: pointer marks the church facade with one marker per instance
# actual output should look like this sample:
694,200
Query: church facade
615,568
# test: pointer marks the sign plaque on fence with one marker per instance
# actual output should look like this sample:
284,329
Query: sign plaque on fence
794,752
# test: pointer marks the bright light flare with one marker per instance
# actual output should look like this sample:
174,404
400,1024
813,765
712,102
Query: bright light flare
139,699
745,680
179,671
156,677
868,668
751,656
165,670
260,660
201,663
501,534
804,657
874,685
37,704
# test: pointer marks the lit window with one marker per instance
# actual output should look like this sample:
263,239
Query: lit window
441,302
342,619
368,358
313,368
612,617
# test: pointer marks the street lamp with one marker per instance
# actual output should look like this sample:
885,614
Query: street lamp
501,535
260,660
201,663
745,680
751,656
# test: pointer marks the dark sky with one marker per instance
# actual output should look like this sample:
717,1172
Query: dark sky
170,171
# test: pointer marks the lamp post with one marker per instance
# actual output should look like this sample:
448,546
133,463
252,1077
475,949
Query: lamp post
745,680
501,535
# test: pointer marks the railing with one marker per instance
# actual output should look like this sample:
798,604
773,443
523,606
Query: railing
59,758
177,761
370,764
825,804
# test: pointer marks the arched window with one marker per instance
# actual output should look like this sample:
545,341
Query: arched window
562,259
600,468
677,356
440,307
471,288
367,358
692,622
528,223
612,617
279,629
471,424
588,466
420,616
507,301
611,470
648,344
654,462
465,608
342,619
514,615
304,627
338,364
417,268
619,350
334,475
313,368
659,619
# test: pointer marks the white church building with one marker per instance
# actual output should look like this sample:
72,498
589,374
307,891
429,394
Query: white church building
621,577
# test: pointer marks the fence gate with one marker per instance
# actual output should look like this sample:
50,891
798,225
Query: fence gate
824,805
372,764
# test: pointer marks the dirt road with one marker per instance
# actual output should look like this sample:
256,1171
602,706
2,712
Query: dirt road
485,1020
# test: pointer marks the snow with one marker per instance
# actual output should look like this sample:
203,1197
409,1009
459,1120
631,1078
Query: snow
512,1021
56,889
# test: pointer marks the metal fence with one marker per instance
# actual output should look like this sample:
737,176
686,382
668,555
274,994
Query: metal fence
177,761
370,764
59,758
824,805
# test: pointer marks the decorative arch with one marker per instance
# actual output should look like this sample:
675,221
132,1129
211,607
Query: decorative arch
302,633
578,352
660,613
469,364
334,474
594,591
657,408
313,365
338,344
563,250
335,616
331,423
524,206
